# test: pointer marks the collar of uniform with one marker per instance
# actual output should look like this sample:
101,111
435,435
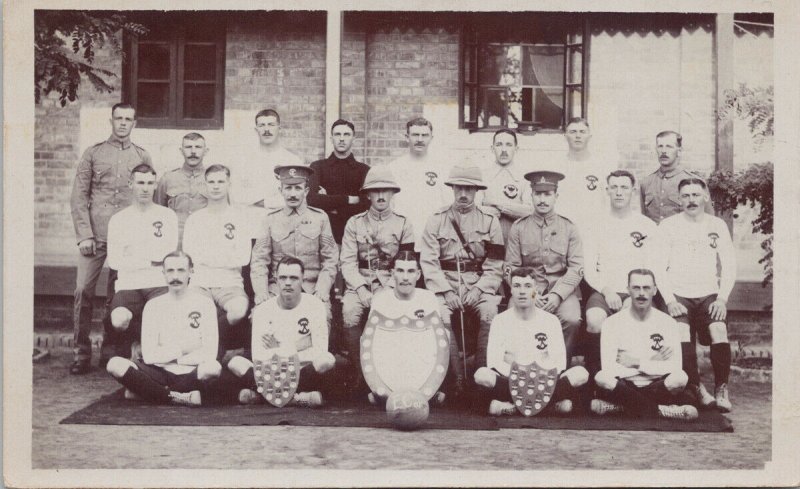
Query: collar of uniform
509,169
671,173
335,159
288,211
544,220
380,216
115,141
198,170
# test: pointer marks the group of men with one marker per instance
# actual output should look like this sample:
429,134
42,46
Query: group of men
461,240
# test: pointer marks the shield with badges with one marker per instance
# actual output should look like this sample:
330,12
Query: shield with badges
531,387
277,378
404,353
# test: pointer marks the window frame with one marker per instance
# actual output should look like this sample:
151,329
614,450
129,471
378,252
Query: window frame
177,43
471,39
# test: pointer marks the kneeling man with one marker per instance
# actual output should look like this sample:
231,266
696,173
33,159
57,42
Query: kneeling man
292,322
179,343
640,354
525,334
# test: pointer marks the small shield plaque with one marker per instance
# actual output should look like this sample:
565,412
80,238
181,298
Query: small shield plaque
531,387
277,379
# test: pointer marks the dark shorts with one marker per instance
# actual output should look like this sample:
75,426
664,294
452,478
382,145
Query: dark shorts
176,382
134,300
597,300
698,317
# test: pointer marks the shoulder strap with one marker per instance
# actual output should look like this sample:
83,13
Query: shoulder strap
462,239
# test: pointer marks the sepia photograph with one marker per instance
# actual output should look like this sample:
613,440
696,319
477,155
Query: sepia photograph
404,245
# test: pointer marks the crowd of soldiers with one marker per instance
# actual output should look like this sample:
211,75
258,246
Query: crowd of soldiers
554,265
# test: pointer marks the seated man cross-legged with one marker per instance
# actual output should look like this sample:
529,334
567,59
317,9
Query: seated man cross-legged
525,333
179,343
640,354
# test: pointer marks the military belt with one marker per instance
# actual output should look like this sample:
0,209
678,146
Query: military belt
461,265
373,264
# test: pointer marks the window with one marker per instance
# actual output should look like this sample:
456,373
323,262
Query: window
523,70
174,75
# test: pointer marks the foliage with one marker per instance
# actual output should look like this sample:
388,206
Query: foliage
755,105
58,67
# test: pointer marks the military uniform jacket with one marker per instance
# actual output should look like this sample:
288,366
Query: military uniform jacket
184,191
553,247
373,238
659,193
101,186
440,242
304,233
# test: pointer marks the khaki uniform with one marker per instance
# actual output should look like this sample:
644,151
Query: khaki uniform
659,193
370,242
184,191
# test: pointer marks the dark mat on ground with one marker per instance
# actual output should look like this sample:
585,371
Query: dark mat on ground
114,409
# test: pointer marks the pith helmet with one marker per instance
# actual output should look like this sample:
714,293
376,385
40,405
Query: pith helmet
380,177
468,175
293,173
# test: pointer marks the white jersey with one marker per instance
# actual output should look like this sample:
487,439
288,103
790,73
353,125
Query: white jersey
421,303
690,255
303,329
219,243
538,338
642,340
617,246
137,243
171,326
507,190
423,191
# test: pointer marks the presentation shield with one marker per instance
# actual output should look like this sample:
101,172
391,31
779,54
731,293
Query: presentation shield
531,387
277,378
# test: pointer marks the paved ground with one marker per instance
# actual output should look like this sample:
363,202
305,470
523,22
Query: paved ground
56,394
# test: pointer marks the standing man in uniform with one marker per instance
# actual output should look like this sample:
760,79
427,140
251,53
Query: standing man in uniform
371,241
218,237
422,177
295,230
184,189
624,240
100,190
462,259
552,246
139,237
694,245
660,198
337,179
507,191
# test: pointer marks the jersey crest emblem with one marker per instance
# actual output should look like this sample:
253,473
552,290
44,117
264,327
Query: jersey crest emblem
277,378
713,237
419,313
638,239
194,319
511,191
157,225
303,323
542,339
229,229
657,339
388,343
432,176
591,182
531,387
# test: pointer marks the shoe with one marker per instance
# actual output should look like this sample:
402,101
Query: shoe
439,398
372,399
249,396
601,407
308,399
132,396
685,413
721,395
704,397
499,408
185,398
79,367
564,406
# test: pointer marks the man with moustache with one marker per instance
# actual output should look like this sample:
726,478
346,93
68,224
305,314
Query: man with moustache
184,189
291,322
462,258
139,236
421,175
295,230
698,257
218,237
551,245
100,190
660,198
179,343
526,334
622,241
370,242
642,373
336,180
506,192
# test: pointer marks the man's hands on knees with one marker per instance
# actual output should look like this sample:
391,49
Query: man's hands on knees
473,297
452,300
676,309
718,310
364,295
87,247
549,302
612,299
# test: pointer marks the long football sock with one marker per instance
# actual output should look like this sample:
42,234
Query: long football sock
721,362
689,354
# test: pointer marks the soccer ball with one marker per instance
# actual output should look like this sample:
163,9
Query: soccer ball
407,409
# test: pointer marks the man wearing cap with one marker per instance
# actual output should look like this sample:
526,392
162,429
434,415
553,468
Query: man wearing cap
336,180
295,230
370,242
461,255
551,245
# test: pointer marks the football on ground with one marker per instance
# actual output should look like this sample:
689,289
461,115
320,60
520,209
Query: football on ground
407,409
